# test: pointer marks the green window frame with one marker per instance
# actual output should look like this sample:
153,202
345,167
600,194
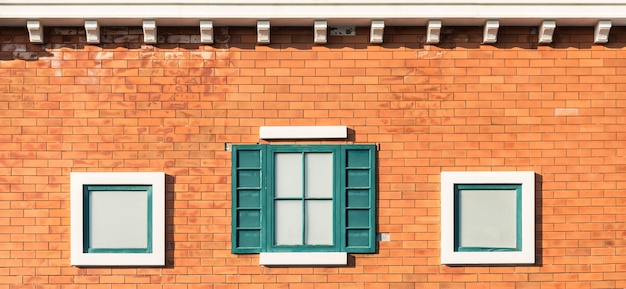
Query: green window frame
353,198
494,188
87,215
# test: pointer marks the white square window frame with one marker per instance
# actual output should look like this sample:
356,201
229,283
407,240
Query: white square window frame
78,180
449,256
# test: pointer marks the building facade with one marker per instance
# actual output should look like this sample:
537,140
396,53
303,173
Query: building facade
312,145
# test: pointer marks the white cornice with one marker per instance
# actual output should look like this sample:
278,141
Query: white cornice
320,2
305,12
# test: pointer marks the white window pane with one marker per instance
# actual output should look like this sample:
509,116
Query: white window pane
288,175
288,223
118,219
319,175
487,218
319,222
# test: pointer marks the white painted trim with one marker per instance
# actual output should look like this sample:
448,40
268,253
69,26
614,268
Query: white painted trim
433,32
35,31
490,33
320,2
303,13
449,180
376,31
320,31
303,132
78,180
263,32
206,31
149,31
303,259
601,31
92,31
546,31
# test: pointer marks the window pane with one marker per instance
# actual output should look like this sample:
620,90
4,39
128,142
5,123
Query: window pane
118,219
319,175
319,222
288,175
288,223
487,218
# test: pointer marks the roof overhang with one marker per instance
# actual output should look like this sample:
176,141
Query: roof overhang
305,12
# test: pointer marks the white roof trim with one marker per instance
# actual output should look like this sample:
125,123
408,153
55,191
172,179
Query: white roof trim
305,12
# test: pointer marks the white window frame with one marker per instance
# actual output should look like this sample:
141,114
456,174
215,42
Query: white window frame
449,256
78,180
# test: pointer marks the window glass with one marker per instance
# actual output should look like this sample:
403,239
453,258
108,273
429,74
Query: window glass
288,175
319,222
288,222
487,219
118,219
319,175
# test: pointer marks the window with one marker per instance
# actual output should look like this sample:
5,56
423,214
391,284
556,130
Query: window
316,199
117,219
488,217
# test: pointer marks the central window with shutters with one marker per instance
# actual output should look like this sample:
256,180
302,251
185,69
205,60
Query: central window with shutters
303,198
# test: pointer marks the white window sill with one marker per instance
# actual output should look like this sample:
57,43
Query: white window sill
304,259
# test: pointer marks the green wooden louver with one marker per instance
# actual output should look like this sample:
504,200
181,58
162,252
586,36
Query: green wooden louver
359,198
247,189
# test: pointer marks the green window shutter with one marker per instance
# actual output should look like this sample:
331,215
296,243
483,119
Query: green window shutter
358,191
247,180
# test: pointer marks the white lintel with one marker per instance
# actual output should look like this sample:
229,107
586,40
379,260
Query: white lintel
303,132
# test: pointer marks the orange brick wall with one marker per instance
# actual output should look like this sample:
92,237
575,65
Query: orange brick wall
558,110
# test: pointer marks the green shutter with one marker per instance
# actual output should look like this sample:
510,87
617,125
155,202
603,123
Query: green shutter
247,180
358,190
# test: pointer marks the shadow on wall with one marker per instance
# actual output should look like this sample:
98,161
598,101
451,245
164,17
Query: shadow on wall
15,44
170,183
538,220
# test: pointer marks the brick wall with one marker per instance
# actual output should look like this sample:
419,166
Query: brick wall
558,110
